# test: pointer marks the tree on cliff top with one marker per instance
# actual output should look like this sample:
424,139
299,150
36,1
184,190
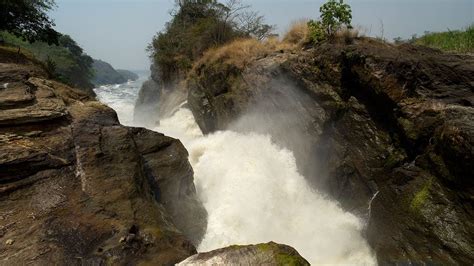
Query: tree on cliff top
28,19
334,15
198,25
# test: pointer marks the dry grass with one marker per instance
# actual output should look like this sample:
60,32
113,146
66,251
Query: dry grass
238,53
298,34
241,52
347,35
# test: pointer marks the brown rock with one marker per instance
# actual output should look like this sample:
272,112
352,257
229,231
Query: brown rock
78,188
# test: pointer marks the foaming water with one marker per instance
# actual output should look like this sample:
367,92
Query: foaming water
122,98
253,193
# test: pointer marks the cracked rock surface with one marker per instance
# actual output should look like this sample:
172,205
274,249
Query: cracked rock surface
78,188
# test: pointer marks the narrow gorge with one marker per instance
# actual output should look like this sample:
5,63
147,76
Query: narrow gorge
325,147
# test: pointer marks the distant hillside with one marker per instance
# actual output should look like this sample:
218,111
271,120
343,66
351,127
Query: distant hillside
67,62
129,75
104,74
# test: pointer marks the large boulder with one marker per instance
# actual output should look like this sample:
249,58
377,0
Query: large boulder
78,188
261,254
386,130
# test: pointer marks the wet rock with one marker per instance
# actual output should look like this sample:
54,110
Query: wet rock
158,100
261,254
147,101
78,188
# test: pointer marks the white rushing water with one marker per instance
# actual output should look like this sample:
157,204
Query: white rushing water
253,193
122,97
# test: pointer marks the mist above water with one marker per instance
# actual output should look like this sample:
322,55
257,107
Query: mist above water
254,193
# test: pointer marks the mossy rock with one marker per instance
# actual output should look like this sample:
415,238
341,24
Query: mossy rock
421,196
261,254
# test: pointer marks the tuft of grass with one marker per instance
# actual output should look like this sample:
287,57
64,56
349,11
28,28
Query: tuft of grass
347,35
455,41
298,34
239,53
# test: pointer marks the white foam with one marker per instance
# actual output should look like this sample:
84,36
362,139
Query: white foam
253,193
122,98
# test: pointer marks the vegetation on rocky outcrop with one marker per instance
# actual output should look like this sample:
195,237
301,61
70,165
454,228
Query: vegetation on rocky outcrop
197,26
335,15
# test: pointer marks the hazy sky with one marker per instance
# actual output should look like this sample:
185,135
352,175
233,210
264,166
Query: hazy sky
118,31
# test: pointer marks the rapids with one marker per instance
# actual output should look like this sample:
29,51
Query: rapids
253,192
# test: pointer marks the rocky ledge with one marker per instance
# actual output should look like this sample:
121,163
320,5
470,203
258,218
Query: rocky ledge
386,130
78,188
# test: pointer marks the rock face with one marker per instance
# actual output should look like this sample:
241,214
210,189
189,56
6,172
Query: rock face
386,130
78,188
261,254
158,100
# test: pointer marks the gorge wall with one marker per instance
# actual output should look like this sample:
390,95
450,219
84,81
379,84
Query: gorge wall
386,130
158,99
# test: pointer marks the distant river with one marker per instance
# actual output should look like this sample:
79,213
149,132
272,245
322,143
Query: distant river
122,97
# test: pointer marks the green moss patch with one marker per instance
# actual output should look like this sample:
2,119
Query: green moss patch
421,196
286,259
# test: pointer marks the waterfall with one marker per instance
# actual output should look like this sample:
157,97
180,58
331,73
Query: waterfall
253,193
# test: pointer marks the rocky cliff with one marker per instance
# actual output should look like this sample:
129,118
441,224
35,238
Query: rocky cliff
78,188
386,130
158,99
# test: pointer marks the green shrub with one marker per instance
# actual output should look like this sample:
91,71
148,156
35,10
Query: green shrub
335,15
316,31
